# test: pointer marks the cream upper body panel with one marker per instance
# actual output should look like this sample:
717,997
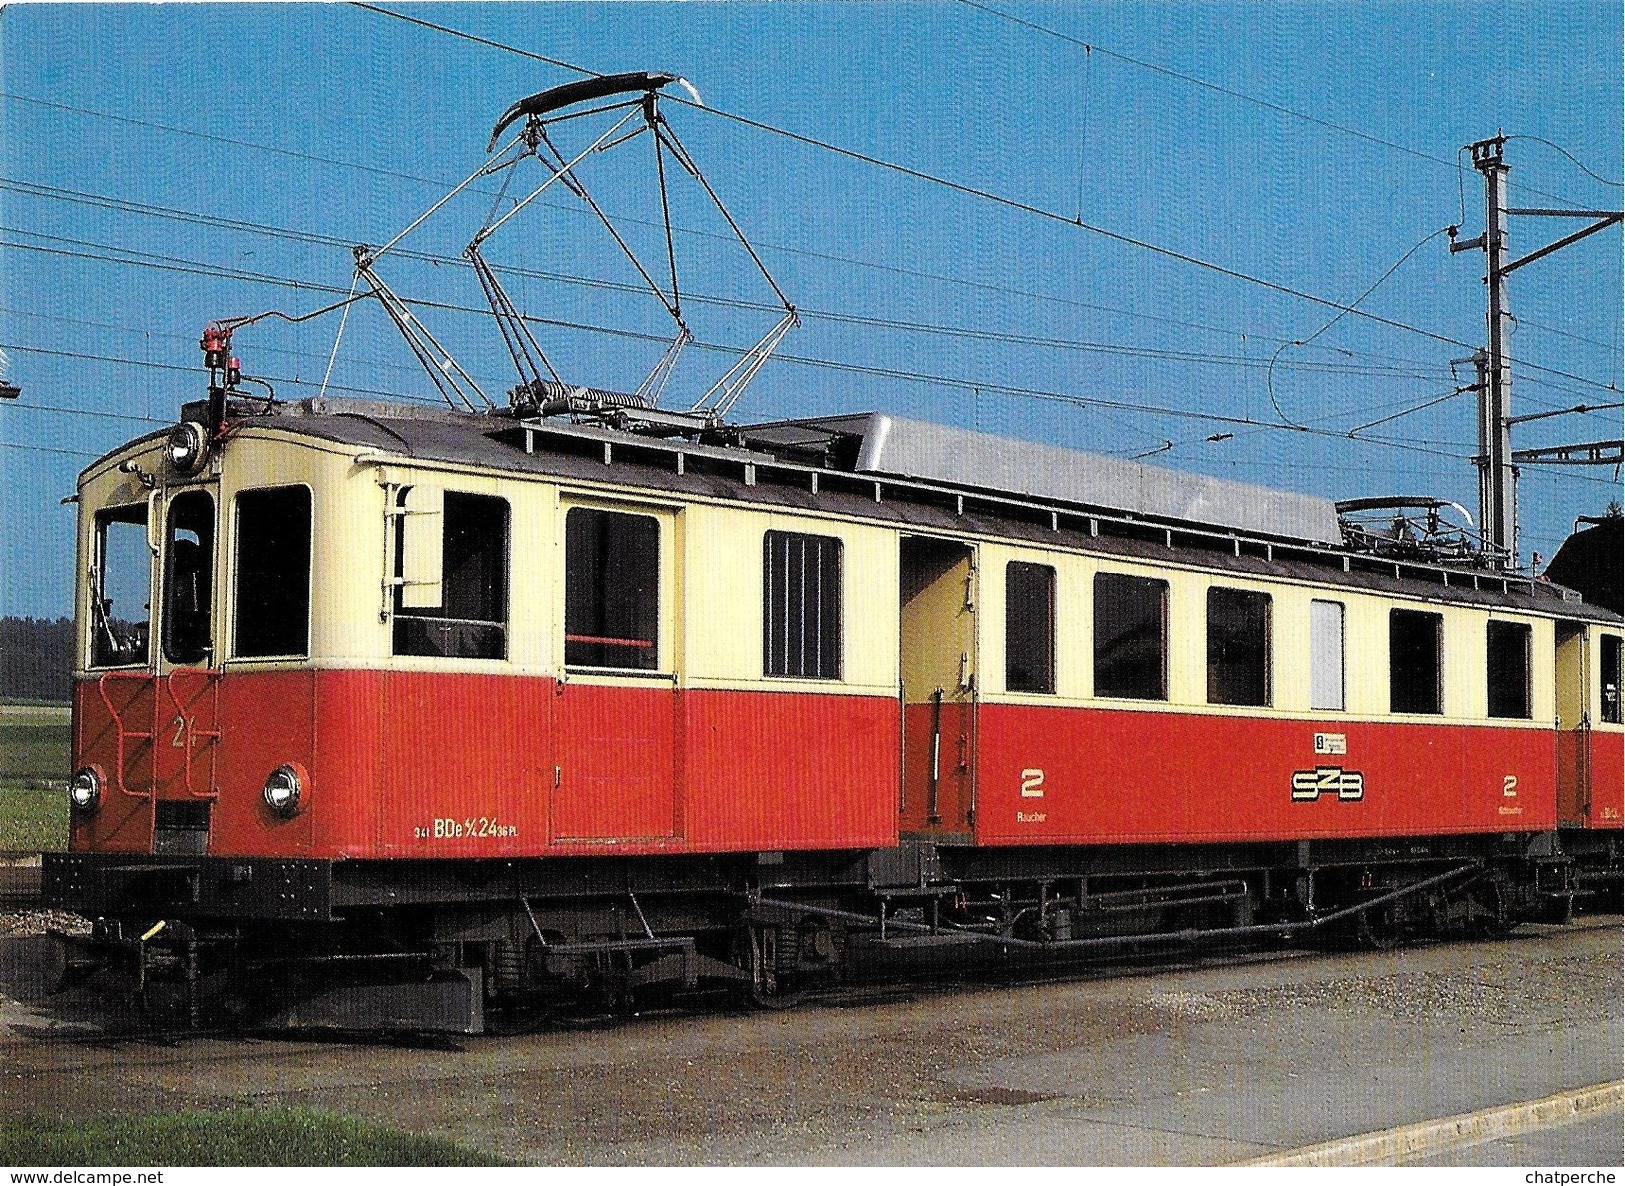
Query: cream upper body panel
1366,641
711,598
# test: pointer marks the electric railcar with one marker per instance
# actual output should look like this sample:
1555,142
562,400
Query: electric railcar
386,715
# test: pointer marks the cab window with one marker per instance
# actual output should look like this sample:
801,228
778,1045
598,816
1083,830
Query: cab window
188,577
121,588
272,563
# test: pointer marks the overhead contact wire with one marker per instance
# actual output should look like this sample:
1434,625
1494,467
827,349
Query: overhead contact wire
1269,375
1000,199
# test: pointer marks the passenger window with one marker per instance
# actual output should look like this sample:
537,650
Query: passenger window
471,620
1131,637
121,588
1415,653
611,590
1238,646
1029,627
1326,655
801,606
188,578
1506,654
272,563
1609,671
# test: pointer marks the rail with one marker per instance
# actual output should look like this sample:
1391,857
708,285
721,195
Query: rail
20,883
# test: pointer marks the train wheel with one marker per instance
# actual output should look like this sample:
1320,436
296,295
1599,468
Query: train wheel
1378,928
1559,911
767,989
1495,919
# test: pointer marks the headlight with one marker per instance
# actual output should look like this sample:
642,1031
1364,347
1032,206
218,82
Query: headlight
283,790
85,789
188,446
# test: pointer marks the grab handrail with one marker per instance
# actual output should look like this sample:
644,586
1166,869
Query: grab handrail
188,731
122,732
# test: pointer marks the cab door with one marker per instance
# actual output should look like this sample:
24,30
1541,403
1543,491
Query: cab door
614,712
115,702
187,692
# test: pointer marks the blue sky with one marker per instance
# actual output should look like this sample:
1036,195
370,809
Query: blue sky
149,153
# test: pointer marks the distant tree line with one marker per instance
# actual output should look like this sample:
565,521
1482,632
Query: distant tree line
36,659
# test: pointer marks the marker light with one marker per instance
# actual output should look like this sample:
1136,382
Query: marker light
188,446
282,791
85,789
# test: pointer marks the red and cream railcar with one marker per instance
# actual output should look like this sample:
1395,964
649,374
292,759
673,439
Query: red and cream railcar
546,701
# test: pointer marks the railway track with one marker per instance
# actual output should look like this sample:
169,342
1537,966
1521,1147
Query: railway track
19,880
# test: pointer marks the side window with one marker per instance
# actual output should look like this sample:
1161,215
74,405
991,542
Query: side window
801,605
121,588
611,590
1029,627
471,621
1326,655
1238,646
1131,637
1506,661
188,577
272,563
1609,672
1415,651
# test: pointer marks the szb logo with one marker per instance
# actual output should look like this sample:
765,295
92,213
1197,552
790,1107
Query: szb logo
1310,785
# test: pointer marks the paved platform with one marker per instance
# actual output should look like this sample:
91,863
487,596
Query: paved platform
1187,1066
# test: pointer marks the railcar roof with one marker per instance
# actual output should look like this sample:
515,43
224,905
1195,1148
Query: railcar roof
892,446
970,460
1004,482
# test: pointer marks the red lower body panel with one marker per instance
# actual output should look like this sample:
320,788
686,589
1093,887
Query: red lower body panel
458,765
1090,776
1606,805
427,764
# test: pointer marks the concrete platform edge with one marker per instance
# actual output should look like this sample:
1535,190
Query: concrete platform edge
1469,1128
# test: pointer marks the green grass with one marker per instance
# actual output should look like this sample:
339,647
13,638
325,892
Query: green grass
34,744
33,820
236,1136
33,772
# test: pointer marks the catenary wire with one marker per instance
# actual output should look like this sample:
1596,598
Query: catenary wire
1087,402
169,263
118,203
1578,164
1007,202
966,332
191,267
1268,105
1269,375
1614,347
103,201
373,363
115,203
